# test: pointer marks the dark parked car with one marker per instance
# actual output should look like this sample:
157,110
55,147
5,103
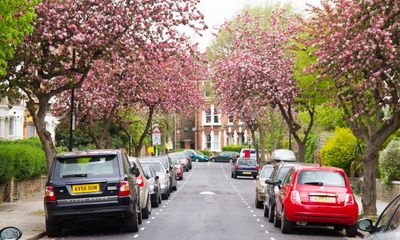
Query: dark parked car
182,157
154,182
225,157
91,186
245,167
278,174
388,225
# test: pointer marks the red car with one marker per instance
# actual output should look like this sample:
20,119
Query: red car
312,195
179,168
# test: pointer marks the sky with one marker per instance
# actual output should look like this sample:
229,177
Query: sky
216,12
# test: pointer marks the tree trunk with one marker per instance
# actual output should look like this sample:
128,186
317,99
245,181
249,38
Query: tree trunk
139,144
272,132
38,114
370,159
262,144
302,148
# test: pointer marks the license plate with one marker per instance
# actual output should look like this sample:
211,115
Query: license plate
246,172
322,199
86,188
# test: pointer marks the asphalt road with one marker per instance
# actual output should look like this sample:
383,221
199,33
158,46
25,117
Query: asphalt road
209,204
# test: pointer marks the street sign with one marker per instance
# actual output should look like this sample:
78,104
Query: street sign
156,136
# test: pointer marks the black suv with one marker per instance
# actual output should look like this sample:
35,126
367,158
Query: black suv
89,187
278,174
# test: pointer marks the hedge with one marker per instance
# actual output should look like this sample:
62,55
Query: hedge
234,148
206,152
389,162
338,150
21,160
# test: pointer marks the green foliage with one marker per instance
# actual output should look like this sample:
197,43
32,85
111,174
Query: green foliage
16,18
311,146
338,150
233,148
206,152
21,159
389,162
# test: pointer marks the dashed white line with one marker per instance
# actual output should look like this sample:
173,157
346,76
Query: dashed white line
148,221
261,225
258,219
153,217
135,236
142,229
266,232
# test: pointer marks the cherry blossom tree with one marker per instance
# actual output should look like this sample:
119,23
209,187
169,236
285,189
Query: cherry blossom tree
70,36
258,72
357,45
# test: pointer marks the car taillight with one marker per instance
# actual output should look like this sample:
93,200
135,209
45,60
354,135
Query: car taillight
349,199
257,168
237,167
124,189
140,181
295,196
49,194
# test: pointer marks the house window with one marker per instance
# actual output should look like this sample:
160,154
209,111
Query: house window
208,91
208,141
11,126
230,120
208,115
216,116
215,143
31,130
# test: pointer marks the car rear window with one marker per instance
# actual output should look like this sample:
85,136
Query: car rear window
247,162
321,178
87,167
157,166
147,171
266,172
177,155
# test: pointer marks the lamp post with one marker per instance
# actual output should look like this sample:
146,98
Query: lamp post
71,121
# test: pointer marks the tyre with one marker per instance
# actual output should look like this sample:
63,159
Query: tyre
258,204
271,214
159,199
157,202
266,211
52,229
277,221
286,225
131,222
181,177
351,231
147,210
231,174
234,176
338,228
174,188
140,216
254,177
166,195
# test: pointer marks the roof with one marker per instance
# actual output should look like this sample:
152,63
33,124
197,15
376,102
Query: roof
89,152
316,167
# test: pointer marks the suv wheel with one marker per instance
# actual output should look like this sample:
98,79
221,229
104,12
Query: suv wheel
131,222
174,188
286,225
139,214
52,229
271,214
277,221
266,211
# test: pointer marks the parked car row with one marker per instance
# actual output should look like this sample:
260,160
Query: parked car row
96,186
298,194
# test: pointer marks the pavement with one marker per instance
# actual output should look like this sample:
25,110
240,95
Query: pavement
209,204
27,215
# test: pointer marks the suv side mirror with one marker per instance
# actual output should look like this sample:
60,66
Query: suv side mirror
271,182
365,225
135,171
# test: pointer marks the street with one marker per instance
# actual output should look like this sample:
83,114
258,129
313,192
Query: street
208,205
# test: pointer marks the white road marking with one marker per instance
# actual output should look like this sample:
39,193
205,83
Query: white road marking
149,221
207,193
261,225
251,211
266,232
157,213
135,236
254,215
248,206
153,217
142,229
258,219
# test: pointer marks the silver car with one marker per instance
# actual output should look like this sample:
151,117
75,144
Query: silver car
145,201
169,167
155,186
163,177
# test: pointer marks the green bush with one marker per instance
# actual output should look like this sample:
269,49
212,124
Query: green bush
311,146
389,162
21,159
234,148
338,150
206,152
